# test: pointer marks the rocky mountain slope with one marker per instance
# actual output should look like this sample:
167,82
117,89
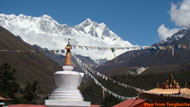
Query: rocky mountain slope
155,61
158,66
28,66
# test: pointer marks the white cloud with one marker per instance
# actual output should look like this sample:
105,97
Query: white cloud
180,13
164,32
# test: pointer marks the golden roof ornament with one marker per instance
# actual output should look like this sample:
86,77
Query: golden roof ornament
171,78
157,84
68,61
174,81
185,84
178,86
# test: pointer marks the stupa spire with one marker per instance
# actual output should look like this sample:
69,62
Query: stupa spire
68,61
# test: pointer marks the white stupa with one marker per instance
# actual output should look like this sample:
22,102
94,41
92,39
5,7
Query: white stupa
67,82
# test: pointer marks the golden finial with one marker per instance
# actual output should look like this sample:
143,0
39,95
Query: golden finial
167,81
68,54
68,45
157,85
178,86
164,85
185,84
171,78
174,81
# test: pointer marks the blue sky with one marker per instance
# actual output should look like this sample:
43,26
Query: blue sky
136,21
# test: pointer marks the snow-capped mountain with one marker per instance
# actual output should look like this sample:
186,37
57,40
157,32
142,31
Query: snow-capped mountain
48,33
96,30
180,37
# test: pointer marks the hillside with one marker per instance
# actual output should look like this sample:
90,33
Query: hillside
28,66
160,65
155,61
93,92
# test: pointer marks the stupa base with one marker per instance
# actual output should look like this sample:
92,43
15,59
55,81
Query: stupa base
62,103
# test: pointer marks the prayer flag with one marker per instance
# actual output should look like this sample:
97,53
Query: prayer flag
42,51
179,45
32,51
62,51
57,51
18,51
188,45
176,46
184,46
157,47
52,51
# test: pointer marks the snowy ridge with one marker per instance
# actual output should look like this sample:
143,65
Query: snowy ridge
176,37
96,30
48,33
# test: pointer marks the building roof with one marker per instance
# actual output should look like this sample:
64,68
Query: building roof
26,105
184,91
3,98
167,95
170,91
130,103
163,91
95,106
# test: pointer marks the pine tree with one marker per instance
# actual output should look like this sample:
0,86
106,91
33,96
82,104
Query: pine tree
31,92
8,86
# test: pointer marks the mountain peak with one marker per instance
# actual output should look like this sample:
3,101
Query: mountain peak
46,16
21,15
180,37
88,20
97,30
4,15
